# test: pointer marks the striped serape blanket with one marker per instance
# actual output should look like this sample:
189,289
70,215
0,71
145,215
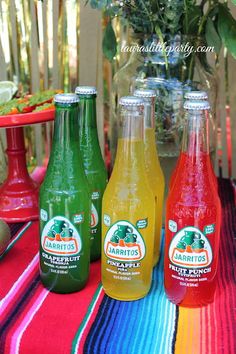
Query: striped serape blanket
34,321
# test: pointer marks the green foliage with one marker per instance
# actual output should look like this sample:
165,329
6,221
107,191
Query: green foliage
191,19
100,5
109,42
227,29
212,37
209,19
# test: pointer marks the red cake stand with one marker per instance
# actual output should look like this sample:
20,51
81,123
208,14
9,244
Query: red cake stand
19,193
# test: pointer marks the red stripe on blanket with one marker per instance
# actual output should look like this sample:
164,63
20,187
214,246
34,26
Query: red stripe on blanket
49,330
18,321
219,336
13,264
18,290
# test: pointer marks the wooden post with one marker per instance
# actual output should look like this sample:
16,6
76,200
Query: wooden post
35,77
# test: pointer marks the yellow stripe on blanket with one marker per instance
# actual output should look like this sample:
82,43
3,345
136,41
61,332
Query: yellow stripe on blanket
188,332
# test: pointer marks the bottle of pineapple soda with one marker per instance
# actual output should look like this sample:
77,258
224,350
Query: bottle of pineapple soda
128,212
65,206
152,163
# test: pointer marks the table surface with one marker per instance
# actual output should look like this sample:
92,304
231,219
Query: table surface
36,321
18,120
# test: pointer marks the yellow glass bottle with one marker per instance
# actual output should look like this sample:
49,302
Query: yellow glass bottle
128,212
153,167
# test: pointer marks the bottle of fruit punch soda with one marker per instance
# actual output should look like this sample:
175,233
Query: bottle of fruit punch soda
192,96
93,162
65,206
193,216
128,212
153,167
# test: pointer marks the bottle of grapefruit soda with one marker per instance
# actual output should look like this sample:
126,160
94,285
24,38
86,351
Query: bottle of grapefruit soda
65,206
93,162
128,212
152,163
193,217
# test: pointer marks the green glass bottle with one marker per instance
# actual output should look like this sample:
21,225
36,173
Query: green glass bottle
93,162
65,206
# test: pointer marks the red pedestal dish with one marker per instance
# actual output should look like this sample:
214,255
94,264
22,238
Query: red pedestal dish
19,193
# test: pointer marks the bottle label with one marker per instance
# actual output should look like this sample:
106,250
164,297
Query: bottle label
124,243
43,215
96,195
94,216
172,226
190,249
95,208
107,220
142,224
60,237
78,218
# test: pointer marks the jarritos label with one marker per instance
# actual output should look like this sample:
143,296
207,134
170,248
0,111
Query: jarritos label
60,237
94,216
123,242
190,249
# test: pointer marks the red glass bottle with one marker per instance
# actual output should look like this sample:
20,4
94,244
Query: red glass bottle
193,217
192,96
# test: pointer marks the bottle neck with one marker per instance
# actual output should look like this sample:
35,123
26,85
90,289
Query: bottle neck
194,178
131,123
66,127
65,169
88,112
149,129
65,148
130,150
149,113
195,136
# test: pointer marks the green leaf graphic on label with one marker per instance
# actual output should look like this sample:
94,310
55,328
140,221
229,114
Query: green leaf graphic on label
209,229
142,224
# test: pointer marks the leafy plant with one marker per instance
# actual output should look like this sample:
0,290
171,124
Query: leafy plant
210,19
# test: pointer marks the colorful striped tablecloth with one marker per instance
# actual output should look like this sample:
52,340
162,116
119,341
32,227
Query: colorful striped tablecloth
34,321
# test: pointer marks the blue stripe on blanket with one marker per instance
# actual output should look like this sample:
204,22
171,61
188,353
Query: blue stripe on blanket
144,326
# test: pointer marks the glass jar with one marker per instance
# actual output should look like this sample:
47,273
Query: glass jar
183,66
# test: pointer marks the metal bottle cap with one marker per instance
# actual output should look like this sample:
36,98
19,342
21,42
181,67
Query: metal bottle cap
86,90
131,101
197,105
196,95
145,93
66,98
